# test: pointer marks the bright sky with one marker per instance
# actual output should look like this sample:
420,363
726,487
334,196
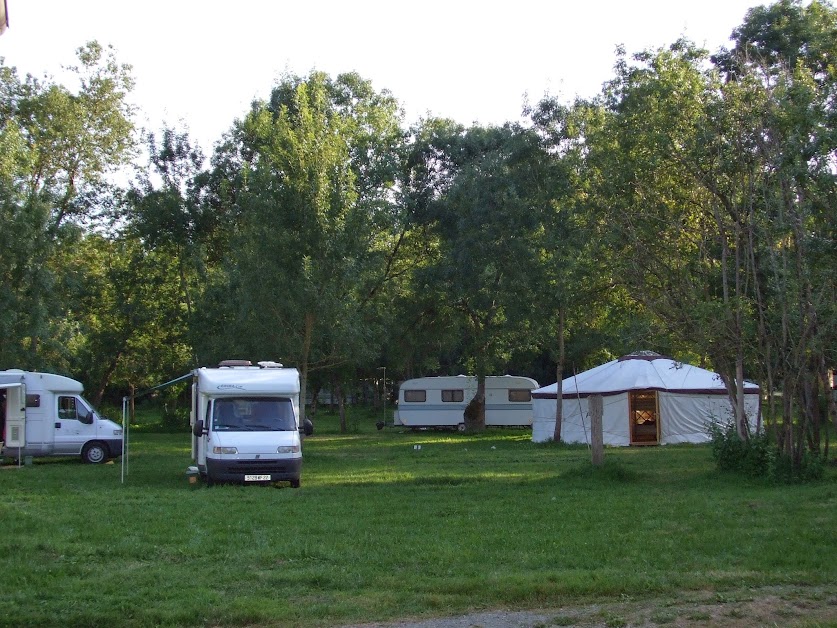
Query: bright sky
198,64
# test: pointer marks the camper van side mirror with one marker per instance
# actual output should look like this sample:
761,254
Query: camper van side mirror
197,429
307,427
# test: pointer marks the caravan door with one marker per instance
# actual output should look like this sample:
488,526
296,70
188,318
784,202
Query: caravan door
74,424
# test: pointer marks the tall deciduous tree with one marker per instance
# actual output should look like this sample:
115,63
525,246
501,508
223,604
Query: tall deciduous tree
127,314
166,211
573,283
781,76
681,251
317,170
58,144
484,222
718,187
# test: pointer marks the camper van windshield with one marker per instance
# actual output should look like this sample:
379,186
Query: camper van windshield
253,414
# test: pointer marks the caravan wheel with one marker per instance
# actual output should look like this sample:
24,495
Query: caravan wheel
94,453
460,427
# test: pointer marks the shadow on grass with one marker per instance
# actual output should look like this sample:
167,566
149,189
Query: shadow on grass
607,472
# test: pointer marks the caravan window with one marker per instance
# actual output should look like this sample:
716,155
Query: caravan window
33,401
419,396
455,396
520,394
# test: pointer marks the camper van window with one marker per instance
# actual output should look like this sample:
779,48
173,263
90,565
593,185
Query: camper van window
85,414
520,394
253,414
33,401
455,396
419,396
67,408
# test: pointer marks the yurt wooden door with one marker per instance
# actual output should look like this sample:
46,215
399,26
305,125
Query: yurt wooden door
644,417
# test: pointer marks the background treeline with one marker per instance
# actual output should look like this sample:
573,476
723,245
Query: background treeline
688,208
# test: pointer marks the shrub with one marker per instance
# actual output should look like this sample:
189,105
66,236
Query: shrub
784,470
755,457
749,457
174,419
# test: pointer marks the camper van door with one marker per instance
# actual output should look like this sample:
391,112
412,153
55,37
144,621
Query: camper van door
13,419
201,440
74,424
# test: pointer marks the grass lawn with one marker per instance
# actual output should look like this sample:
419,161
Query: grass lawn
382,530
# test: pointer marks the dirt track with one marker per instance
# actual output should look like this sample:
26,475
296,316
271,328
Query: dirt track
774,606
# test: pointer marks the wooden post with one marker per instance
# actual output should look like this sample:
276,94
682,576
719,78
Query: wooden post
596,410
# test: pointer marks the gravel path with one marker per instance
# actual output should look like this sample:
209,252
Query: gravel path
742,608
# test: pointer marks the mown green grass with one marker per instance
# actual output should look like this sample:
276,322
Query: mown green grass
381,530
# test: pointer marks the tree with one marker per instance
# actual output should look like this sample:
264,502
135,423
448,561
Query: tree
423,335
572,283
675,216
126,314
317,169
717,185
784,61
484,223
166,213
58,146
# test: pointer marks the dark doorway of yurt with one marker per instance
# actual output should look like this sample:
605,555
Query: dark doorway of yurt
644,417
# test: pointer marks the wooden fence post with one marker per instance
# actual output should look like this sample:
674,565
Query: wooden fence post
596,410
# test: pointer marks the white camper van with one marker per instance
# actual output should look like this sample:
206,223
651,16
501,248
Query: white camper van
245,423
45,415
433,402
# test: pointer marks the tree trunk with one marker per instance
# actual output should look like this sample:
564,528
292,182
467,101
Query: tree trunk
475,410
99,394
740,414
341,405
559,374
596,434
308,333
829,397
315,396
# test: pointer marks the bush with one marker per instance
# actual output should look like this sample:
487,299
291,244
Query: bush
749,457
756,457
784,470
174,419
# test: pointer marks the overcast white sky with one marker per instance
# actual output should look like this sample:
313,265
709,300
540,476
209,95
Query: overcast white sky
199,63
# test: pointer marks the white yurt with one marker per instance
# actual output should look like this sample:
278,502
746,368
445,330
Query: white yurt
648,399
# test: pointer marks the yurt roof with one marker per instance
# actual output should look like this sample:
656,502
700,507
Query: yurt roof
643,370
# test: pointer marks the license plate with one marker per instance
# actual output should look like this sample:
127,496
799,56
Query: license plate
257,478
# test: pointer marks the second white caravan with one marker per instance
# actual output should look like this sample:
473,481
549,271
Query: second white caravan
437,402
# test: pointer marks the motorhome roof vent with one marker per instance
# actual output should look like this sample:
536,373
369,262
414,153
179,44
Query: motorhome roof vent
232,363
270,364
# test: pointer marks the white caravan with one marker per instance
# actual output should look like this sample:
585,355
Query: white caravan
42,414
245,423
430,402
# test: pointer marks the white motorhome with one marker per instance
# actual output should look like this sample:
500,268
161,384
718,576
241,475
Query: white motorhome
43,414
245,423
434,402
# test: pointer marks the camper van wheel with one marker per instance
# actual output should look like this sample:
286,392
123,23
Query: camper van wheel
295,483
94,453
460,427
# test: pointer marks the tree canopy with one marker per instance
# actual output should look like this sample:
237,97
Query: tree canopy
686,208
